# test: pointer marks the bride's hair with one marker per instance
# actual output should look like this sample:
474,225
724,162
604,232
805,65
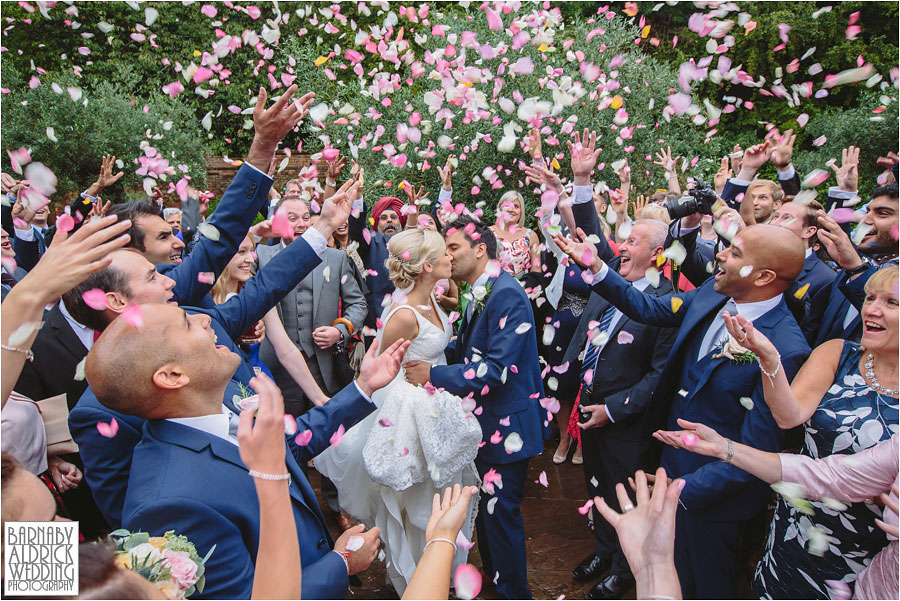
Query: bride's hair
409,251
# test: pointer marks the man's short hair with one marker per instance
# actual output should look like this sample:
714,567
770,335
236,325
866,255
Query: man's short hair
289,198
107,280
481,234
889,190
774,189
168,212
133,210
659,233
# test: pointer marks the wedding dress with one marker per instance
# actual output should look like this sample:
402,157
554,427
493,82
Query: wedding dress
388,467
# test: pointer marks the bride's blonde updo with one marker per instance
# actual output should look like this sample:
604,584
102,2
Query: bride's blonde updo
409,251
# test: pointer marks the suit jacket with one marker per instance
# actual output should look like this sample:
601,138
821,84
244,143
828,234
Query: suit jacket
28,252
829,308
57,352
196,484
374,253
510,387
720,490
246,195
626,374
17,275
107,461
338,295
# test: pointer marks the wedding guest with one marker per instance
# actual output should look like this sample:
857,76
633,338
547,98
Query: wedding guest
846,478
187,473
700,380
519,245
846,397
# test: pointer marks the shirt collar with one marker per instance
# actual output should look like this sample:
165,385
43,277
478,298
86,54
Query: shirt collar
641,284
215,424
753,311
482,280
75,324
809,251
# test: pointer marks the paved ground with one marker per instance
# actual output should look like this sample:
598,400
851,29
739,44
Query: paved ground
557,535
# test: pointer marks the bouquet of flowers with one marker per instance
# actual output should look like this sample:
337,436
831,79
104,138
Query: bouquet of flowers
171,561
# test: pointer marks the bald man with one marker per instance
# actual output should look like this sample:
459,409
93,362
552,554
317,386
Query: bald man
187,474
700,382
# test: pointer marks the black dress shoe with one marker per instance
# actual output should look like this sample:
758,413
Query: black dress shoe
611,587
591,567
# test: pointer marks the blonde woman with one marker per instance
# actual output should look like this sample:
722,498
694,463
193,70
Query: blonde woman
388,467
233,278
520,253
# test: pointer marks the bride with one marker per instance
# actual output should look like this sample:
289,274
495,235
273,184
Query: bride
388,467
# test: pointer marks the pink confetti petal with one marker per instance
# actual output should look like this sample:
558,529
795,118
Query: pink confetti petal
281,226
337,436
463,543
585,508
385,422
209,10
689,439
133,315
108,430
625,337
303,438
542,480
493,19
95,299
467,579
290,425
842,215
65,223
496,437
206,277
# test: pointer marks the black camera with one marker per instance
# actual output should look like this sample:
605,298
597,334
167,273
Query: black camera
700,199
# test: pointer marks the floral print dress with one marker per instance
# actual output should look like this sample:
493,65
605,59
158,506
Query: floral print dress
850,418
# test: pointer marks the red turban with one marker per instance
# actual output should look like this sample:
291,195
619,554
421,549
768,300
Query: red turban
389,202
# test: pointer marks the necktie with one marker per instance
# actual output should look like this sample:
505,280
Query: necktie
593,350
717,331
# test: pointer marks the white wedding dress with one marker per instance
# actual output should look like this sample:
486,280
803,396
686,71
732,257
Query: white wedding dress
388,467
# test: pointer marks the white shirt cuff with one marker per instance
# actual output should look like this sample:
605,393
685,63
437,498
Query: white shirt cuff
357,206
25,235
836,192
252,166
583,194
608,414
444,195
363,394
738,182
788,172
601,274
316,240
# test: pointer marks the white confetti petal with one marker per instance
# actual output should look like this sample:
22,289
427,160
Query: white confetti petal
209,231
23,333
523,327
79,370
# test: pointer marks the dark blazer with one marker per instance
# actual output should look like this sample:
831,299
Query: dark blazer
246,195
720,490
107,461
196,484
57,352
16,275
374,253
513,375
626,374
28,253
829,308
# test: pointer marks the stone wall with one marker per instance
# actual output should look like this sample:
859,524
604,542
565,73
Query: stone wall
219,173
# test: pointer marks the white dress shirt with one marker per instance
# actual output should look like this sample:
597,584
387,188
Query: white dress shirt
84,333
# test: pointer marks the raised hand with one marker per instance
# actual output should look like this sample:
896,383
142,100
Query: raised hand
584,155
335,167
540,175
377,372
624,174
99,208
722,176
639,203
449,514
534,144
887,162
272,124
336,208
22,209
7,182
750,338
696,438
263,229
261,440
782,149
737,158
837,243
445,174
412,195
848,173
664,159
583,252
754,158
106,178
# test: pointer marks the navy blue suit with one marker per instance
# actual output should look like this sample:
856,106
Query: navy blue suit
107,462
28,252
373,253
717,496
513,395
195,483
828,309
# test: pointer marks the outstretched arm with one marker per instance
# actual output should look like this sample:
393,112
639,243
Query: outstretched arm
291,358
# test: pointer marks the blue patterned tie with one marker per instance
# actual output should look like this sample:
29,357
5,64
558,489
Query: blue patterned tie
593,351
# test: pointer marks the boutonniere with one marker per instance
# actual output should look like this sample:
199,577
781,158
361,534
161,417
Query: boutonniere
480,295
734,352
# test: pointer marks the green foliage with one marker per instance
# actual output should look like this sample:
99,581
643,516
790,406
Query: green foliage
105,120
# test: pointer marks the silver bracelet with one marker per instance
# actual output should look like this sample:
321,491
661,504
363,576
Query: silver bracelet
29,354
441,539
772,375
730,455
263,476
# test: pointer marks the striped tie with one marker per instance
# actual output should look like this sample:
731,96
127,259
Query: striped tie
593,351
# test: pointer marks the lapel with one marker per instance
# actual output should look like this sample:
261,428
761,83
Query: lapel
67,337
318,280
808,265
469,324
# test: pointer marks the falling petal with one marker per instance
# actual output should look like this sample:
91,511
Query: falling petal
355,543
746,270
385,422
467,581
65,223
513,443
625,337
585,508
209,231
689,439
206,277
302,439
676,304
801,292
746,402
133,315
337,436
815,177
23,333
108,430
523,327
290,425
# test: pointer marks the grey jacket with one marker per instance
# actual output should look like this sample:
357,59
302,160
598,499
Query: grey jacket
339,291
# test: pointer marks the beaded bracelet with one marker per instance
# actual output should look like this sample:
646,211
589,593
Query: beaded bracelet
263,476
441,539
29,354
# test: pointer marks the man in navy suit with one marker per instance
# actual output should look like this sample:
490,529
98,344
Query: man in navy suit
495,359
187,472
701,381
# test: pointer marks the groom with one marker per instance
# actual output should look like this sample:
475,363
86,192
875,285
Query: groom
495,360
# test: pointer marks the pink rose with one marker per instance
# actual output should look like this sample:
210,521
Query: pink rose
181,567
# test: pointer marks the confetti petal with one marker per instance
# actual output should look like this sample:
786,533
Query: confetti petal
108,430
467,579
337,436
133,315
302,439
23,333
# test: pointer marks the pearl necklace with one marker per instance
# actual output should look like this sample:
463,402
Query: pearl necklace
874,385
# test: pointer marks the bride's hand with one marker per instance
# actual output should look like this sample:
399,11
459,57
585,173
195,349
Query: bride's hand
377,372
418,373
449,515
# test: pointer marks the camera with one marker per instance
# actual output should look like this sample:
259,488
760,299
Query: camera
700,199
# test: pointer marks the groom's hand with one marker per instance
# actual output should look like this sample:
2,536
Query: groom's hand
418,373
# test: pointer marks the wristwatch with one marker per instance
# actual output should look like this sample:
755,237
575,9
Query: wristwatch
866,263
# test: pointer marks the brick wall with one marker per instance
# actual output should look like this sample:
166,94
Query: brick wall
219,173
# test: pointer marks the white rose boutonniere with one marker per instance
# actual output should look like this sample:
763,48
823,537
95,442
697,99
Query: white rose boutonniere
733,351
480,295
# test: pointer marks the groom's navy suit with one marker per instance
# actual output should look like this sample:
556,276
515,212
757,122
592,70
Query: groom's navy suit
514,387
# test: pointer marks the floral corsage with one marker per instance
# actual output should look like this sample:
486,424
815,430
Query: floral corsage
733,351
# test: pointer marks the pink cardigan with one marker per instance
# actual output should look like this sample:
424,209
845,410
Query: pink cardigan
851,479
